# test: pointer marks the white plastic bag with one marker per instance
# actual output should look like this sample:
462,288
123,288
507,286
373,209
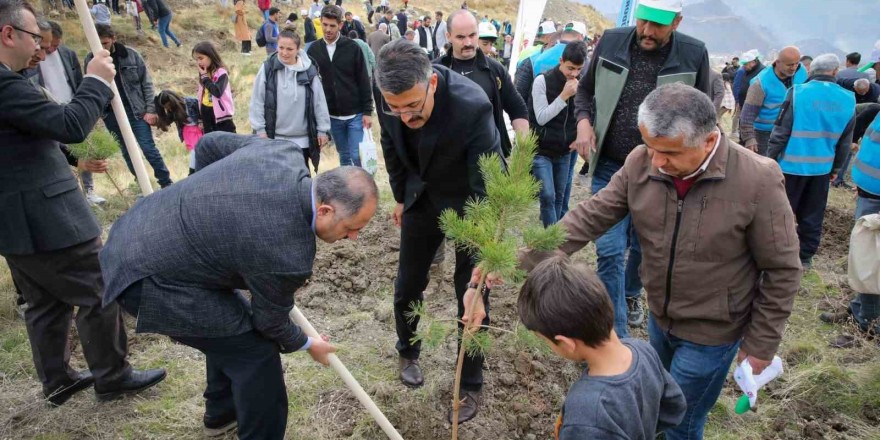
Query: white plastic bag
369,155
864,255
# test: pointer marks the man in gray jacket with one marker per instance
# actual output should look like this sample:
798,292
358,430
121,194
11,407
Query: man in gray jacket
247,219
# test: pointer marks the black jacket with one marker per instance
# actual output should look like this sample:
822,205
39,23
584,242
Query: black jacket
156,9
868,98
345,79
459,131
311,33
524,78
506,98
270,105
356,26
556,135
41,207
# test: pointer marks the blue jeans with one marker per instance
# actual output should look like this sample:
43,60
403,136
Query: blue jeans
618,273
573,157
699,370
866,308
165,31
552,173
347,135
144,136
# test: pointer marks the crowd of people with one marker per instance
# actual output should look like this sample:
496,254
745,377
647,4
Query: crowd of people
727,222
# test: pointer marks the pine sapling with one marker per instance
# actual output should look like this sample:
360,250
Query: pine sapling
492,229
99,145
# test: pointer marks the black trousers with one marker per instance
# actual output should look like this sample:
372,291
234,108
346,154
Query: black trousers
210,124
53,283
420,236
244,376
808,196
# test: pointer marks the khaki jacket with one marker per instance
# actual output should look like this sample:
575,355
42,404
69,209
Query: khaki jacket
721,264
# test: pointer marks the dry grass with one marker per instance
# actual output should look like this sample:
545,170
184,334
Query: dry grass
821,384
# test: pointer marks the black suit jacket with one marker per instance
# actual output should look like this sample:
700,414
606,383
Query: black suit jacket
460,130
41,208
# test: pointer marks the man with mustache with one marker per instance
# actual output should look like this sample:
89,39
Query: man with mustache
435,126
629,63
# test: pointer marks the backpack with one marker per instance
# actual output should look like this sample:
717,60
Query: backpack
261,35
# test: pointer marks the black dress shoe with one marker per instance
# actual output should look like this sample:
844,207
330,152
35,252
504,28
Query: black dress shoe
411,373
469,407
135,382
83,380
219,426
835,317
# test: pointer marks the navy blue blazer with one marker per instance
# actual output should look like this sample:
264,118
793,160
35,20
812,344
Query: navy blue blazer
243,221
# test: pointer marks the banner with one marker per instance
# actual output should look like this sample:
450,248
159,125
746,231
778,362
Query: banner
627,16
528,18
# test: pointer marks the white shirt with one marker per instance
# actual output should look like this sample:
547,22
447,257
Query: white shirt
55,78
331,47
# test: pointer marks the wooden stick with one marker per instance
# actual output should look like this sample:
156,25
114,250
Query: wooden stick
134,151
349,380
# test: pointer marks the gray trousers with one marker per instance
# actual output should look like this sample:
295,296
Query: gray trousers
87,181
53,283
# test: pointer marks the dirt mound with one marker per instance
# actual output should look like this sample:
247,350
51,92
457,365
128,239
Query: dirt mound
837,227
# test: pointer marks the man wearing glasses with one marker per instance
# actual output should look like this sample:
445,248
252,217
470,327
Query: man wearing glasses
48,233
435,126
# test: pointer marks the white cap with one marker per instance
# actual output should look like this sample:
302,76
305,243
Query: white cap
575,26
659,11
748,57
303,13
317,14
487,30
547,27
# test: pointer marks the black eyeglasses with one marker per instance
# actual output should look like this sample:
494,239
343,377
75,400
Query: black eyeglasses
37,37
387,110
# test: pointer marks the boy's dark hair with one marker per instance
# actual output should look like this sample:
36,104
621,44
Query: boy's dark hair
352,34
273,10
575,52
292,16
563,298
105,31
332,12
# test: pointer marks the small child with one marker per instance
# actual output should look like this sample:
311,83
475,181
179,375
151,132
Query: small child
134,8
625,393
216,107
172,108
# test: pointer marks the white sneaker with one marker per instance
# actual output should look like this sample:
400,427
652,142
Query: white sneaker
94,199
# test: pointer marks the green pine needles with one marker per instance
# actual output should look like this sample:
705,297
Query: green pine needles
99,145
493,229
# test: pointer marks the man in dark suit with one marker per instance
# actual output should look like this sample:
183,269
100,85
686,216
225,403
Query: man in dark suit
48,233
177,258
435,126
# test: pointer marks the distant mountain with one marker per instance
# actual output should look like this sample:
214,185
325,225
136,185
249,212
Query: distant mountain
733,26
724,32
